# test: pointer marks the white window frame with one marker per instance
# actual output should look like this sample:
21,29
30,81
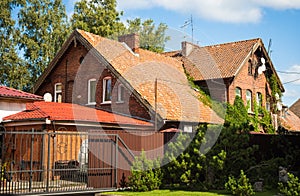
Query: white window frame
56,92
104,90
240,90
121,91
259,99
89,91
249,100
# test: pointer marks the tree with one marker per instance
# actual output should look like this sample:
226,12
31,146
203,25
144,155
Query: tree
151,37
13,72
97,16
42,30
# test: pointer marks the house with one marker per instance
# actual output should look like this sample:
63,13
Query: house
289,122
13,101
120,77
295,108
241,68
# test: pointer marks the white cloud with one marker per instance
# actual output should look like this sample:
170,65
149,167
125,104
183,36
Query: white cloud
291,75
234,11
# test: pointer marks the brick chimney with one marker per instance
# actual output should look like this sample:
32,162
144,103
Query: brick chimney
186,48
132,41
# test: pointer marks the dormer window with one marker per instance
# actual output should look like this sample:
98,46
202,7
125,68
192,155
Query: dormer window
120,93
58,92
92,91
107,89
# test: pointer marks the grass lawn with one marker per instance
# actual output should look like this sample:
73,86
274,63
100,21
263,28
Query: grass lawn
179,193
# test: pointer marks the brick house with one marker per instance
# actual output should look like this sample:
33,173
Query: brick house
224,71
13,101
122,78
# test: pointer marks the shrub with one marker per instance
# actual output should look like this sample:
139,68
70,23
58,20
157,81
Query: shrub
146,174
291,188
239,187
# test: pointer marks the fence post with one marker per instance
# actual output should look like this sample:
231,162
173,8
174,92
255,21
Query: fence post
31,157
48,164
116,164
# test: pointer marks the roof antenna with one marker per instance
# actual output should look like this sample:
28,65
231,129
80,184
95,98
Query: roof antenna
269,47
187,23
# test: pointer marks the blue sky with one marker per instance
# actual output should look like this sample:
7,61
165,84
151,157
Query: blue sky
220,21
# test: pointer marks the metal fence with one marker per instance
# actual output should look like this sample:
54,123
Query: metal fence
43,162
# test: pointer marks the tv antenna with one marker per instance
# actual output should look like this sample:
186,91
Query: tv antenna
189,22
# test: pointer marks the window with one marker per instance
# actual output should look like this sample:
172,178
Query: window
107,90
92,91
250,68
188,128
249,100
120,93
58,92
259,99
238,91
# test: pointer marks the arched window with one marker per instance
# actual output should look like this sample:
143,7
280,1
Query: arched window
249,100
58,92
92,91
107,89
259,99
238,91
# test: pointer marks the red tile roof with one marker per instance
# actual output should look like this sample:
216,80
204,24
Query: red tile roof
6,92
296,108
290,121
71,112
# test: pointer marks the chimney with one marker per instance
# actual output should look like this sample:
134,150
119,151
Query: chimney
186,48
131,40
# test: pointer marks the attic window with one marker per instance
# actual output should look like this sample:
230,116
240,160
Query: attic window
92,91
120,93
107,89
58,92
250,68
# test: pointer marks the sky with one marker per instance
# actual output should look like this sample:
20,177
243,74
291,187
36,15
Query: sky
222,21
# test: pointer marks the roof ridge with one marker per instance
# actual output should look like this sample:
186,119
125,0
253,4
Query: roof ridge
234,42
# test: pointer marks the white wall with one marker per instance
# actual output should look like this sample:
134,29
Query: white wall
7,108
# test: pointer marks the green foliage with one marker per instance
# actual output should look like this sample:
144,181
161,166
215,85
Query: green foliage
291,188
239,187
97,16
42,30
146,174
151,38
237,115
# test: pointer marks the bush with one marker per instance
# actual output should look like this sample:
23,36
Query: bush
240,187
291,188
146,174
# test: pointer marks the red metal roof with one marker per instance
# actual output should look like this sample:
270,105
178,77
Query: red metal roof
7,92
71,112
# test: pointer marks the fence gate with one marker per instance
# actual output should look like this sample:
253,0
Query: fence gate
63,161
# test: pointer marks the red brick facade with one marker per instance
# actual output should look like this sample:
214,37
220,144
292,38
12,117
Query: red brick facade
74,70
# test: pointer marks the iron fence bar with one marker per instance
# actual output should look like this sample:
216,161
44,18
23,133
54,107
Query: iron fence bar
31,163
116,160
126,147
48,163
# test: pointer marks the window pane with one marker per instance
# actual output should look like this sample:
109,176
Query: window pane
238,92
58,87
107,93
249,100
121,93
92,91
259,99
